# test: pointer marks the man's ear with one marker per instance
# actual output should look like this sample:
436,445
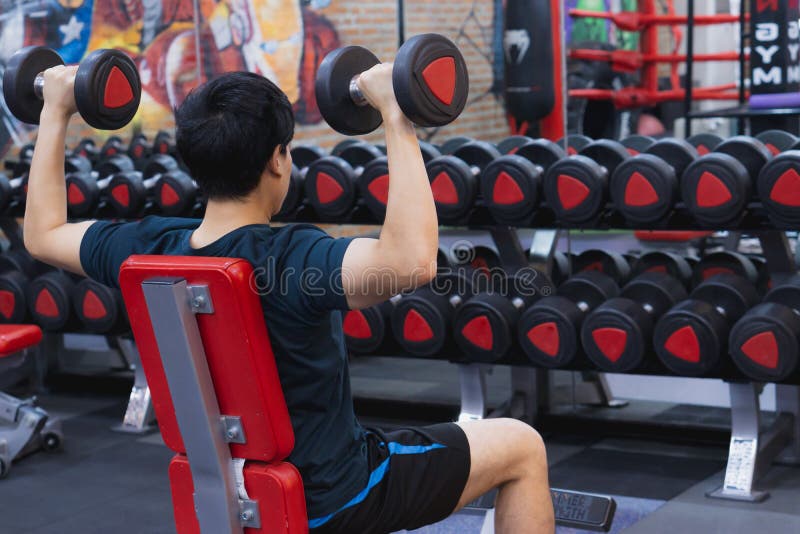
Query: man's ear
278,160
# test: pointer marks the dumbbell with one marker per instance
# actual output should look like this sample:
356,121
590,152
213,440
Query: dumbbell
453,144
302,157
510,144
725,262
16,268
549,331
160,184
617,335
373,186
421,321
454,179
163,143
138,149
612,264
13,190
366,329
778,141
99,308
779,189
705,143
107,86
88,149
576,187
717,187
664,262
429,76
574,143
692,338
484,325
511,184
49,298
86,189
636,144
645,188
331,182
765,342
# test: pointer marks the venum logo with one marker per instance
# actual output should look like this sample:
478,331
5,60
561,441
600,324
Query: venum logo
516,44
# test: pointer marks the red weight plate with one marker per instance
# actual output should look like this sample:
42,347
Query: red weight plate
478,331
640,192
169,197
545,337
122,195
118,91
7,303
571,191
379,188
683,344
506,190
786,190
611,342
762,349
93,307
440,77
712,192
416,328
713,271
444,190
328,189
355,325
45,304
703,150
75,195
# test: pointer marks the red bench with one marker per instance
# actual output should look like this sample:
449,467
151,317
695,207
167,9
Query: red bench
200,330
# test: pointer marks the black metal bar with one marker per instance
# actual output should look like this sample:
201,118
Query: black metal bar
401,22
776,250
687,102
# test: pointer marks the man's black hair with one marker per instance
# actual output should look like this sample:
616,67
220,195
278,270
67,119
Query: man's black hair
227,130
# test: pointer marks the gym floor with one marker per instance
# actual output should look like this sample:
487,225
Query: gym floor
106,481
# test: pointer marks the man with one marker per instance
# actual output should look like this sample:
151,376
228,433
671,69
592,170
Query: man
234,133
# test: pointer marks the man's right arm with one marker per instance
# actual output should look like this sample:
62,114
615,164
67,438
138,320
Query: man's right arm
404,256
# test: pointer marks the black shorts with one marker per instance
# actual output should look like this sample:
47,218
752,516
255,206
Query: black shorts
417,477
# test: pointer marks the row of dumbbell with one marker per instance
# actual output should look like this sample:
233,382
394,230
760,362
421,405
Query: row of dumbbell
640,181
609,315
31,291
115,185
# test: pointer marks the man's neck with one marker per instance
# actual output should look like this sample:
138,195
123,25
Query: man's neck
225,216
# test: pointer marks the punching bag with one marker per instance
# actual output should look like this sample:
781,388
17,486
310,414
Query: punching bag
529,59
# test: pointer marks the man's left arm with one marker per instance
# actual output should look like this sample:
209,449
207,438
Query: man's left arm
48,236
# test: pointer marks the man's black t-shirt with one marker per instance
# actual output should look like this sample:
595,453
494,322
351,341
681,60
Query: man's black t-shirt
298,274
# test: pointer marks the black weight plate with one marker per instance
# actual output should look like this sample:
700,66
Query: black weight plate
113,165
786,293
304,155
616,336
607,153
691,338
644,189
163,143
127,194
139,149
13,298
82,193
341,145
715,189
294,193
98,307
705,143
477,154
636,144
678,153
574,143
112,147
541,152
87,149
454,187
664,262
548,332
611,264
159,164
777,141
421,321
483,326
107,89
373,185
332,88
452,144
330,187
428,151
575,189
359,154
49,300
779,189
509,145
430,80
589,289
657,292
365,329
77,164
765,343
731,294
175,193
510,188
750,152
18,79
724,263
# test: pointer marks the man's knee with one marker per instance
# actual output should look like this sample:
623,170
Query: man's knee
528,450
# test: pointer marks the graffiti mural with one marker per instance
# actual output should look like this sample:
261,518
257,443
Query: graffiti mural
177,45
